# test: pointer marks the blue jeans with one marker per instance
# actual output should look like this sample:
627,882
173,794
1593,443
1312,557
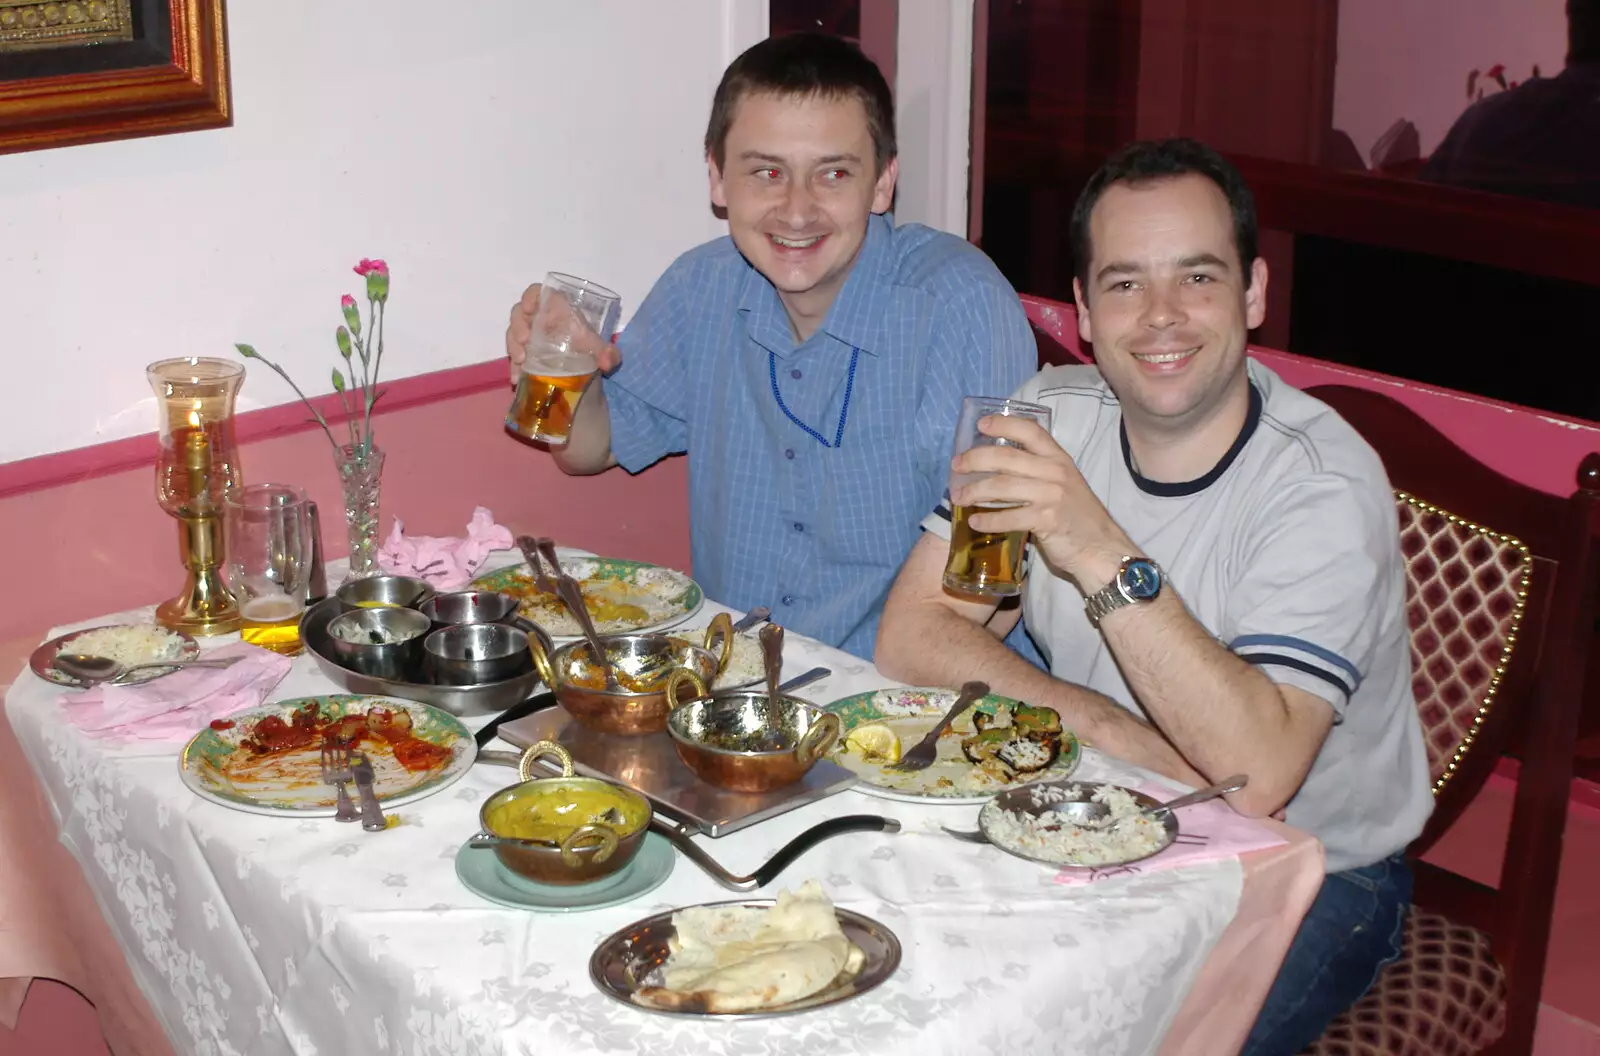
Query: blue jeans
1351,931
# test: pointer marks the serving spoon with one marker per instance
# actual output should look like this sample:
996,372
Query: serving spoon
572,596
96,669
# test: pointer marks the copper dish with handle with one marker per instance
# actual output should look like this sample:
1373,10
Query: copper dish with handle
643,663
582,828
730,740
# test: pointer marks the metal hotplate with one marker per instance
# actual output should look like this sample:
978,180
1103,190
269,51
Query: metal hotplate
651,765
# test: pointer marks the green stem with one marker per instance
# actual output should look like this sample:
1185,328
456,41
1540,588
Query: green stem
314,412
377,327
349,418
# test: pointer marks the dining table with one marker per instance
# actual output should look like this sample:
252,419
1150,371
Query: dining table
268,935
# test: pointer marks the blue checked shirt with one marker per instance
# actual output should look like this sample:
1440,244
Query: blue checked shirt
776,518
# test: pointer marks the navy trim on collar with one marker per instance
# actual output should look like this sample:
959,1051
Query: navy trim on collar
1176,489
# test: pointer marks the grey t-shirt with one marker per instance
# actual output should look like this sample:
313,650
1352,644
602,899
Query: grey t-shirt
1288,552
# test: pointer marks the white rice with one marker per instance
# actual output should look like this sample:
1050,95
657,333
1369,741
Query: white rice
132,644
745,664
1132,833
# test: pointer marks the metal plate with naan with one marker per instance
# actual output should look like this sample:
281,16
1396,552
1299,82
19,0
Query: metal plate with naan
622,963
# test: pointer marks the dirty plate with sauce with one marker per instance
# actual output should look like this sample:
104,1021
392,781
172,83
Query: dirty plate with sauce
998,743
267,760
623,597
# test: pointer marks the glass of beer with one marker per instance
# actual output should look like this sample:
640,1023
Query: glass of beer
985,564
267,566
573,313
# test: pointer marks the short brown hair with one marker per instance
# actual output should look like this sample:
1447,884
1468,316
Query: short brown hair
804,64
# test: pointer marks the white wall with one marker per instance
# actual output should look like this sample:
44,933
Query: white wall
472,146
933,112
1410,59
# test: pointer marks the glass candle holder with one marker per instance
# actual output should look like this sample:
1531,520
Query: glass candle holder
196,470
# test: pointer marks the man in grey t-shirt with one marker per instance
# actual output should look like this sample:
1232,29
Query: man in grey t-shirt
1215,575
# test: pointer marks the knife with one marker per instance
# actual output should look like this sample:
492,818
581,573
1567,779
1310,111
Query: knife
751,618
372,818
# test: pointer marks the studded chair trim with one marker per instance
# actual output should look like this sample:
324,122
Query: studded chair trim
1466,592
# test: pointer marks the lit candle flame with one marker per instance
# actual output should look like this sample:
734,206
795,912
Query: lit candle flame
194,418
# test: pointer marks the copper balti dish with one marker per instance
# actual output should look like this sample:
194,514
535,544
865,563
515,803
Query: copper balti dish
562,830
730,740
642,663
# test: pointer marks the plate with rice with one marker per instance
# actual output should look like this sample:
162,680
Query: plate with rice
746,666
623,597
995,745
1042,824
128,644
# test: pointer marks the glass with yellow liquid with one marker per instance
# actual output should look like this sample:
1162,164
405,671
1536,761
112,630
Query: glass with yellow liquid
985,564
267,567
574,316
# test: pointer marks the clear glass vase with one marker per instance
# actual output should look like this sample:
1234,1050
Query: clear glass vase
360,477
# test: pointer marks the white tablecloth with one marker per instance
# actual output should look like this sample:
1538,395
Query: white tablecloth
267,936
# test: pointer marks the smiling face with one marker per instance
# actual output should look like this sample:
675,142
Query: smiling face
1169,305
799,183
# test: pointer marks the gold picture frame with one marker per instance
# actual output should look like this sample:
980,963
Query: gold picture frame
87,71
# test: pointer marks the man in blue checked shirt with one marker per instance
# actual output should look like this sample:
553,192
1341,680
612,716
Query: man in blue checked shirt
812,364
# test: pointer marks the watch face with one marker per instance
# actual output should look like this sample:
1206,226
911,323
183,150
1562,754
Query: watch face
1141,579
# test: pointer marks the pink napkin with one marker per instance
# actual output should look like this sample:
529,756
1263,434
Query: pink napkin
1228,835
175,706
447,563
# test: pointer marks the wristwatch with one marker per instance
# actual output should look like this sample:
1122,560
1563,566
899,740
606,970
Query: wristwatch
1138,580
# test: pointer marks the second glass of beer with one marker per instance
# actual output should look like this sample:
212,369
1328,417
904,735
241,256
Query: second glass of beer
267,567
985,564
572,313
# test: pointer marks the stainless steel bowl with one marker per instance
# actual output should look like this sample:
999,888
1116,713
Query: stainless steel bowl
352,635
731,741
383,592
469,654
469,606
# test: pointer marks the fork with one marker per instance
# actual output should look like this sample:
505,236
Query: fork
336,771
529,547
922,755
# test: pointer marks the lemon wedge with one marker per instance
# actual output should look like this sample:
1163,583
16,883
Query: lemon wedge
875,743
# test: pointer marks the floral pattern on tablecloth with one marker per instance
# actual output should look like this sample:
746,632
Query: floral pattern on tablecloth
266,936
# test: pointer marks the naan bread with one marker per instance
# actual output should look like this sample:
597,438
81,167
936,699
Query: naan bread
743,959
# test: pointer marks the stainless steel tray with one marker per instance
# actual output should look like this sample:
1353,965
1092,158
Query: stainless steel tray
483,699
651,765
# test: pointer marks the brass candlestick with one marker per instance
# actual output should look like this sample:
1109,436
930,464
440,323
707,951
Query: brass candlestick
197,468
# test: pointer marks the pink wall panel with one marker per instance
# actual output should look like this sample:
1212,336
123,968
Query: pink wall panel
99,543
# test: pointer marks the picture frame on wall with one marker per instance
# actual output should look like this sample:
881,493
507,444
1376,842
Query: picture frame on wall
88,71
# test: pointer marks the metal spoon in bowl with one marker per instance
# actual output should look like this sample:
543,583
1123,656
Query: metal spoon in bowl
572,596
773,739
96,669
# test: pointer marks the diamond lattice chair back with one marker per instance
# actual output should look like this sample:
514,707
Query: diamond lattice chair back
1501,600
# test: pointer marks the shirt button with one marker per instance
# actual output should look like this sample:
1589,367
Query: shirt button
799,527
795,373
788,453
787,599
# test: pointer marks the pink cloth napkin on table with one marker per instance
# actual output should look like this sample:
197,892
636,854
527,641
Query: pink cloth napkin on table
1228,835
447,563
175,706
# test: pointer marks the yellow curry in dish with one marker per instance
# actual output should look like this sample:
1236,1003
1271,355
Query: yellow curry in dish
549,814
